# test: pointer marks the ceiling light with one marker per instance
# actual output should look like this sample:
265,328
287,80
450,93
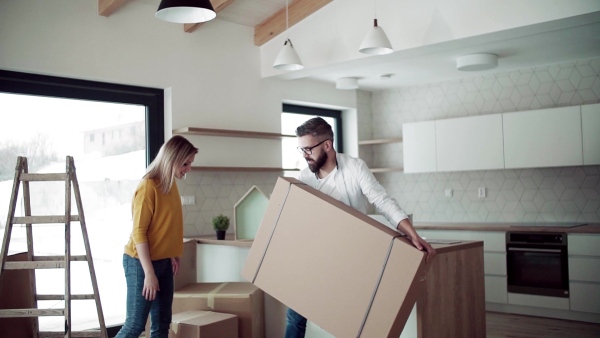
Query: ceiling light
477,61
346,83
185,11
287,59
375,42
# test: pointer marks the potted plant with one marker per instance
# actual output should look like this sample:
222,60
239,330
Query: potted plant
220,224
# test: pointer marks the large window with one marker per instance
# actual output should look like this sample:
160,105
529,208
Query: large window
293,116
112,132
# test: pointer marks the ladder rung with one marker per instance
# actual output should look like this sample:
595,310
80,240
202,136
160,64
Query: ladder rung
43,219
43,177
60,258
74,334
34,265
14,313
62,297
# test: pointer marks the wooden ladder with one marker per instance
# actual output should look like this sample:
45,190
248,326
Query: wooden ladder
34,262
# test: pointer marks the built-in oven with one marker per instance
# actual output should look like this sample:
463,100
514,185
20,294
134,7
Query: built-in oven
537,263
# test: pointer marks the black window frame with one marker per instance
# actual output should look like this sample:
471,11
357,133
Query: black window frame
314,111
62,87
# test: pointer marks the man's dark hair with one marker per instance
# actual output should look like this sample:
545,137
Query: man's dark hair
316,127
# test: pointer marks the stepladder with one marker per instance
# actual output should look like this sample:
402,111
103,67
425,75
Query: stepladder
32,260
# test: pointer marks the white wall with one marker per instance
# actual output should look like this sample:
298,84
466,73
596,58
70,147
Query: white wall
212,75
334,33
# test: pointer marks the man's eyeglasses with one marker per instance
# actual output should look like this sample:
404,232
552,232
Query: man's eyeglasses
308,150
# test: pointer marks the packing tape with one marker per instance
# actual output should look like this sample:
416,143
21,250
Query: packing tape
387,257
210,297
272,233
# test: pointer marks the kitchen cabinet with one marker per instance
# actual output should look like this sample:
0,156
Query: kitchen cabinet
543,138
234,134
469,143
584,275
381,142
419,147
590,123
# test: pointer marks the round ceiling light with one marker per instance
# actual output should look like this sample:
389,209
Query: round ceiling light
477,61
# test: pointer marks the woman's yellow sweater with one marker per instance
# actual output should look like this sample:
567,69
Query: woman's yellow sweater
157,220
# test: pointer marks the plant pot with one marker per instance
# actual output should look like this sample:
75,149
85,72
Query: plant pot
221,234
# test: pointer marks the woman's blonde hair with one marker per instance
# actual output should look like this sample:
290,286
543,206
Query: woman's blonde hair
171,156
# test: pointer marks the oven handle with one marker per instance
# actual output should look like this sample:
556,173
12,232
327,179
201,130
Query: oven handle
534,250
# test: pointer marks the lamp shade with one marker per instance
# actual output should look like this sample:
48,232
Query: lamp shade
346,83
376,42
288,59
186,11
477,61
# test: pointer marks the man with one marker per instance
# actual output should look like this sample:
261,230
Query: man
350,181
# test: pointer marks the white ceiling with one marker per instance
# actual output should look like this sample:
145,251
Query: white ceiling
541,44
546,43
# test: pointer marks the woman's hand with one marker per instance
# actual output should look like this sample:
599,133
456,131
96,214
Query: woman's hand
175,264
150,287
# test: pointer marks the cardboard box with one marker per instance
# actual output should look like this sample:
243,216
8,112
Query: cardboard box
187,265
341,269
238,298
204,324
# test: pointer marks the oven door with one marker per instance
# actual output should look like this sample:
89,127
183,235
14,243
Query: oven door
538,269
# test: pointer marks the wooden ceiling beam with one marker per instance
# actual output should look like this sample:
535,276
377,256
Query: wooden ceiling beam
275,24
107,7
218,5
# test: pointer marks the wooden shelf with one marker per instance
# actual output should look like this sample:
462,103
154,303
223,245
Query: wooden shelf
242,169
230,133
380,141
385,170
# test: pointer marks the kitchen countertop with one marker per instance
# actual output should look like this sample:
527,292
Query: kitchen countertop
590,228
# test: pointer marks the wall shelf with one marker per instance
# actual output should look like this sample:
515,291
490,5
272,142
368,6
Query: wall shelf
242,169
385,170
229,133
380,141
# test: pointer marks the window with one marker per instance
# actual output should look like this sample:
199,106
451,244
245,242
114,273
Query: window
291,117
47,118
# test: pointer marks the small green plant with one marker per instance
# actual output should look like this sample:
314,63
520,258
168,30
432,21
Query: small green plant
220,222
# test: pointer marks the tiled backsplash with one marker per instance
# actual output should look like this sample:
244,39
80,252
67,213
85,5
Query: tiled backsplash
565,194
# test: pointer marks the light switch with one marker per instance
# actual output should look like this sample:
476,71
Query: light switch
481,192
188,200
448,192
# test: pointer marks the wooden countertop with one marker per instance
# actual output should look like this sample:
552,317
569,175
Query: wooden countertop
590,228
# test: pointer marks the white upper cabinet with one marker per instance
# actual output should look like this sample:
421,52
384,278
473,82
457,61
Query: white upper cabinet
469,143
419,147
543,138
590,118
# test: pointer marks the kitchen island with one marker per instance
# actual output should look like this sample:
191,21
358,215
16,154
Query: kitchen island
451,303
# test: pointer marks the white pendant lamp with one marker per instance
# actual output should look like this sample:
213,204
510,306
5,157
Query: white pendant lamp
287,59
346,83
376,42
185,11
477,61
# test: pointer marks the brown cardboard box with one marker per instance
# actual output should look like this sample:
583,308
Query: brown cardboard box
239,298
344,271
204,324
187,265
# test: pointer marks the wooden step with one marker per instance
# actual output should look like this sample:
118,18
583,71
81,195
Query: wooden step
14,313
43,219
43,177
62,297
34,265
74,334
60,258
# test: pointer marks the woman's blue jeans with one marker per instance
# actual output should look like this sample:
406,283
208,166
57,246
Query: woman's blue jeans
296,325
138,307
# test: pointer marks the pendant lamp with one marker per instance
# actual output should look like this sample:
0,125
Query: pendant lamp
287,59
376,42
185,11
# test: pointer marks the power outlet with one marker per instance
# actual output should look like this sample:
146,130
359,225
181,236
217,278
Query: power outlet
188,200
448,192
481,192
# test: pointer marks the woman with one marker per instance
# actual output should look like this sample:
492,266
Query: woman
151,257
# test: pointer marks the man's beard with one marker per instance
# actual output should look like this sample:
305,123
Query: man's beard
318,163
